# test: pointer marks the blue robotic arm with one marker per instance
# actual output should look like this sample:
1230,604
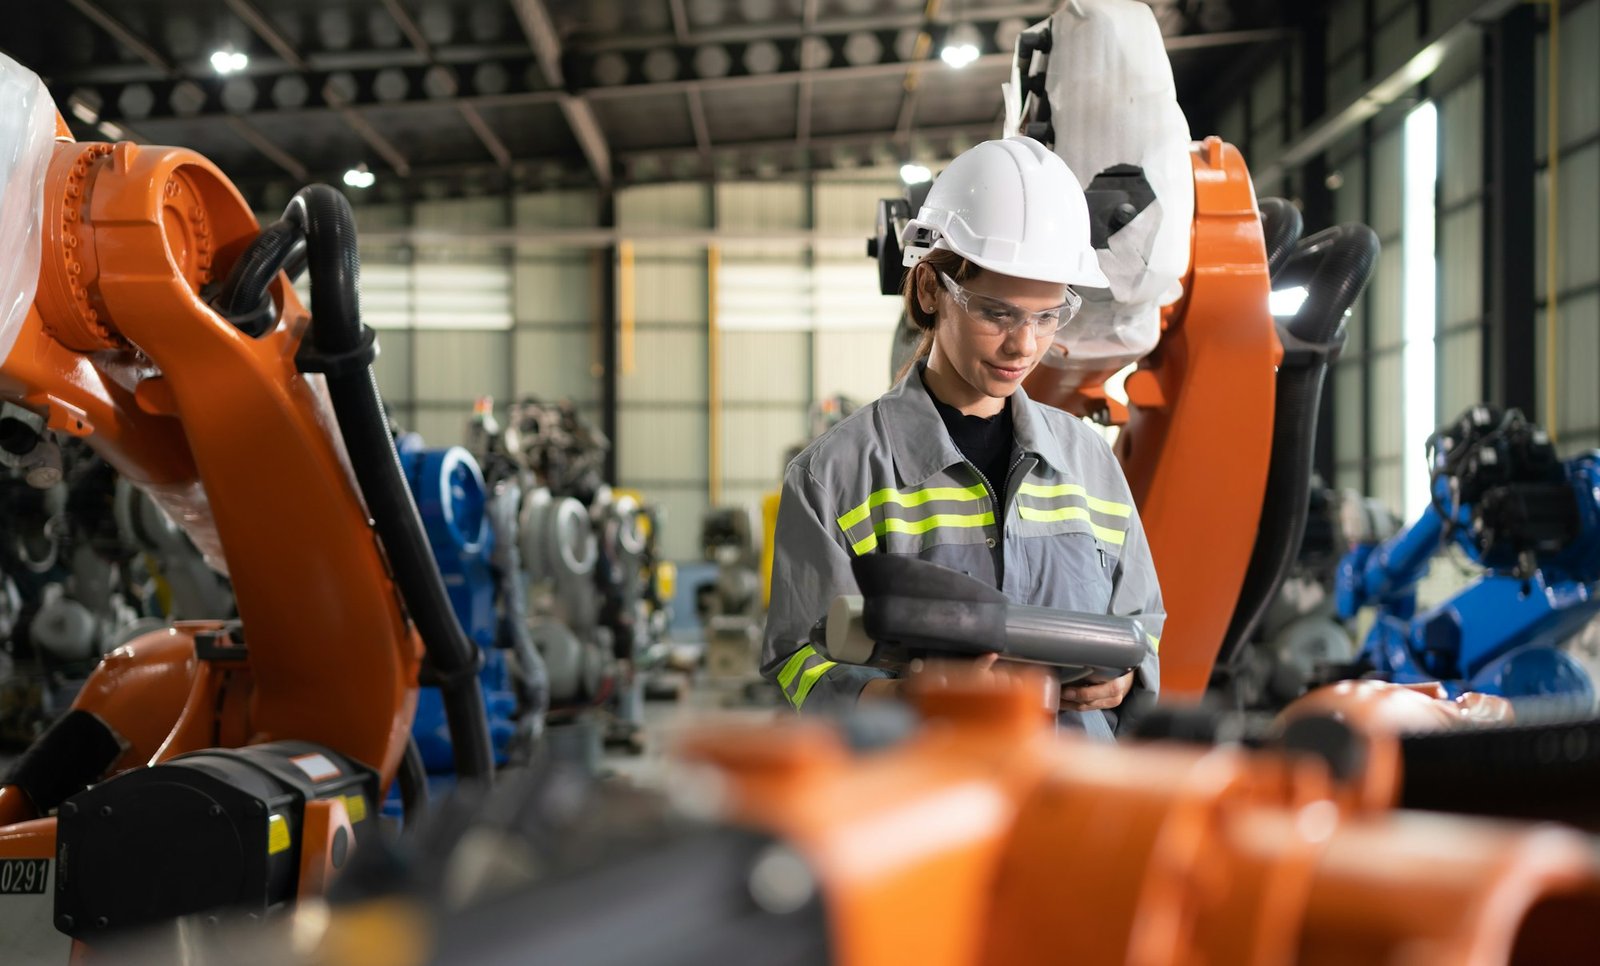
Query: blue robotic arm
1532,522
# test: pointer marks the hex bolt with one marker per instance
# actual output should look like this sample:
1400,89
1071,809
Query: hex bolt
105,811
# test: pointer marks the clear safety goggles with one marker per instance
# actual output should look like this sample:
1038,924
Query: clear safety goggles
1000,317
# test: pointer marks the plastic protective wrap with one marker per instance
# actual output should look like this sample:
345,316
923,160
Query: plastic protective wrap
1112,102
27,133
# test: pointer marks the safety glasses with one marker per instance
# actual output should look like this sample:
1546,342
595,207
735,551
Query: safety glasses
999,317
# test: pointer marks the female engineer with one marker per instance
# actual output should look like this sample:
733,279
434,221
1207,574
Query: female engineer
955,464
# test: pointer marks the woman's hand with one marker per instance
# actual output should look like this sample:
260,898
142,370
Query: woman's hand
935,673
1096,697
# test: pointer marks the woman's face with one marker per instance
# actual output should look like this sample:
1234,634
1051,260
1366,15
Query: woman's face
993,363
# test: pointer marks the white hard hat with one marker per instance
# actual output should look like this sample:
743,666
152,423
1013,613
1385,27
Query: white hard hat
1012,207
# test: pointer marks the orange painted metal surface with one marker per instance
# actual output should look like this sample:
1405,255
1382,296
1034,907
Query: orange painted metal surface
1198,435
239,446
986,838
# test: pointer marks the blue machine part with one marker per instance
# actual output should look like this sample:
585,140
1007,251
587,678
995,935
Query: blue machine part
451,498
1502,633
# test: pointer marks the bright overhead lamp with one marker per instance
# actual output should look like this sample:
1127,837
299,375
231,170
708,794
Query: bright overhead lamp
960,46
913,173
359,177
229,61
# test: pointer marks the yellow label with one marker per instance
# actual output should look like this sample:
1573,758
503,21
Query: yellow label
277,834
356,807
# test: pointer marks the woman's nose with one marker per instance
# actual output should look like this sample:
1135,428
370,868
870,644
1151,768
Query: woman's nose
1022,340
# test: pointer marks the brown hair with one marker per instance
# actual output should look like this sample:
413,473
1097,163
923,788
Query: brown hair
938,261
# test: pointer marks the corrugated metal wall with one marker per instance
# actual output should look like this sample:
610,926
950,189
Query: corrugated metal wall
799,319
662,422
1577,356
1366,40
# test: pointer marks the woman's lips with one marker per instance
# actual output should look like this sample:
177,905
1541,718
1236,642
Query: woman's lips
1005,373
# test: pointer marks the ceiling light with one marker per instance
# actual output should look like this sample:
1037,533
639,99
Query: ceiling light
960,46
912,173
111,130
359,177
229,61
959,57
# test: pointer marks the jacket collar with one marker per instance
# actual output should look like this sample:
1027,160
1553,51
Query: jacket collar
922,447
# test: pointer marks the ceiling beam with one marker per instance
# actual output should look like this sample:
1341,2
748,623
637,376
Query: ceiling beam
270,66
860,72
480,127
697,119
546,44
486,134
269,35
802,114
275,154
151,56
409,27
981,129
1228,38
680,22
352,118
127,38
390,154
792,30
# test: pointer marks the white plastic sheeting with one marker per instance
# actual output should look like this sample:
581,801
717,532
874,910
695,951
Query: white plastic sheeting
27,132
1112,100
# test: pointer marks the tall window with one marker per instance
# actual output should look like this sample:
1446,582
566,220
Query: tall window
1419,361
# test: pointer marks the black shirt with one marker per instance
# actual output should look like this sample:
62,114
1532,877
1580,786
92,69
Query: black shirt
986,443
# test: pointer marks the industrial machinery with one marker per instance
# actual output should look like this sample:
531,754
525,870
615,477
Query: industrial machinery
1301,634
456,511
589,568
965,830
1531,521
217,766
87,563
1216,435
731,605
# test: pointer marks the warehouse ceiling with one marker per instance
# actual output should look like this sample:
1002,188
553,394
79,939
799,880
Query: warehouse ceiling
445,97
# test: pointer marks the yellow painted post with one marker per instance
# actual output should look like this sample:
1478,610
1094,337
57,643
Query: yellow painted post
713,379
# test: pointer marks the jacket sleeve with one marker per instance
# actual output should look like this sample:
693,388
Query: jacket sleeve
1135,592
810,566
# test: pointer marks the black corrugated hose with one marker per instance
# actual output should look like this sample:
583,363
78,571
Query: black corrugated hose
413,779
1533,771
1335,266
323,217
1282,225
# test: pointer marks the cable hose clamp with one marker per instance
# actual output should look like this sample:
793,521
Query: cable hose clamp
336,364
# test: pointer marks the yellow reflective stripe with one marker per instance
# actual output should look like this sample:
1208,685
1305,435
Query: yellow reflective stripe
865,545
1155,642
1073,489
808,681
914,498
955,520
796,661
1071,513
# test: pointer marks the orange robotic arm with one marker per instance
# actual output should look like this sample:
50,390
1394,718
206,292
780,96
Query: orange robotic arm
230,432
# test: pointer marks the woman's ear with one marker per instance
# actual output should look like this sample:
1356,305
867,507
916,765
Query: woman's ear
927,287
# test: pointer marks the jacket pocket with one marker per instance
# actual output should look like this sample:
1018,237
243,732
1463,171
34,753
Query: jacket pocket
1070,571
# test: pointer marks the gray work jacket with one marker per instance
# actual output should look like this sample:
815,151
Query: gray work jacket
889,479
